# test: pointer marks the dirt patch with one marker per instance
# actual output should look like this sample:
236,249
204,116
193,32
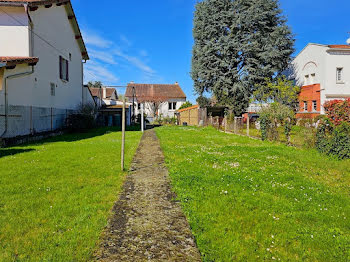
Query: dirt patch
147,223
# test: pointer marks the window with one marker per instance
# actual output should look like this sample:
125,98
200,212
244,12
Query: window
307,80
64,69
313,79
339,75
314,106
172,105
53,89
305,106
139,106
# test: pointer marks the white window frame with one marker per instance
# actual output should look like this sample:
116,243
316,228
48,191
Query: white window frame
313,79
172,106
307,80
339,75
306,106
314,106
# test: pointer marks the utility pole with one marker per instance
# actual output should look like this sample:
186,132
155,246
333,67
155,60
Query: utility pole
123,136
142,119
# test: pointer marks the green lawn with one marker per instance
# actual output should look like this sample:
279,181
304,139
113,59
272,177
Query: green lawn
56,195
249,200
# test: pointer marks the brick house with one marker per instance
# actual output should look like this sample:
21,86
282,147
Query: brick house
323,72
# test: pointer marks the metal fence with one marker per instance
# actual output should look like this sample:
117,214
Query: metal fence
30,120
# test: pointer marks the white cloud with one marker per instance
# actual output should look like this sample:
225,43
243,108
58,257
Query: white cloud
125,40
103,56
94,71
94,39
135,61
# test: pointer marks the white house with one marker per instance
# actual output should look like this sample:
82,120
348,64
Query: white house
41,64
104,96
162,100
323,72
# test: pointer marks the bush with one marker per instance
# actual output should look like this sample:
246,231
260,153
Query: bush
273,116
186,105
332,139
80,122
83,120
338,111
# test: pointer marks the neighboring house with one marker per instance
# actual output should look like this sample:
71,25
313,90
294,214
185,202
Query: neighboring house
41,65
323,72
104,96
109,107
167,97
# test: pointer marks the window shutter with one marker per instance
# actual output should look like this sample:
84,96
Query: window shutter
67,69
61,73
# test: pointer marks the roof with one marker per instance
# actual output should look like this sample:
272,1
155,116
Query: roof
340,46
155,92
34,4
16,60
97,92
188,108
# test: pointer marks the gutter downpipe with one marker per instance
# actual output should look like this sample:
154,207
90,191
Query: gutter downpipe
6,95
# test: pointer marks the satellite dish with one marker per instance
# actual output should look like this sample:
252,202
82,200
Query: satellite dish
348,41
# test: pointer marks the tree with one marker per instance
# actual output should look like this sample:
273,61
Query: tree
186,105
203,101
279,90
96,84
154,106
238,44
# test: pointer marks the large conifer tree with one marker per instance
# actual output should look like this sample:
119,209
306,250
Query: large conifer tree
238,44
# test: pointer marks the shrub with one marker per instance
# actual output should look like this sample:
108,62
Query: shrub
273,116
338,111
186,105
332,139
83,119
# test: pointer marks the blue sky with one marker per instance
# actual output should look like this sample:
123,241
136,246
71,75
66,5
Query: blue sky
151,41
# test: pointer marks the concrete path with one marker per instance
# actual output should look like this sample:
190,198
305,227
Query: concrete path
147,224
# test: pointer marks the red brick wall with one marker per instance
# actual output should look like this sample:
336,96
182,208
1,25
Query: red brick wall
309,94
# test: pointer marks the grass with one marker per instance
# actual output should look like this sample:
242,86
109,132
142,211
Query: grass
249,200
300,136
56,195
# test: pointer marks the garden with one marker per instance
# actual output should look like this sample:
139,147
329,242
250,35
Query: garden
56,195
249,200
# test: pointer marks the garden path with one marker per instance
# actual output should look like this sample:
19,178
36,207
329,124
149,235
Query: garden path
147,223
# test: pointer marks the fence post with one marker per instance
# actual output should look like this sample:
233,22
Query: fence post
225,124
123,135
235,125
248,125
31,119
142,119
51,119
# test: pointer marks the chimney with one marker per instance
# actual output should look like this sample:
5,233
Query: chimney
176,83
104,93
132,82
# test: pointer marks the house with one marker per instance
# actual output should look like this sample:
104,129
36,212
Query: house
104,96
42,53
159,100
110,108
323,72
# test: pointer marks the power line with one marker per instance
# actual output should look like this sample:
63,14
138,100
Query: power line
42,38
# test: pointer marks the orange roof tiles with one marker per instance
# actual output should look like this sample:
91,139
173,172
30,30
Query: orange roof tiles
15,60
155,92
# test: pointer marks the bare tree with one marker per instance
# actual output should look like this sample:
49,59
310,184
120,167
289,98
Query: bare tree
154,106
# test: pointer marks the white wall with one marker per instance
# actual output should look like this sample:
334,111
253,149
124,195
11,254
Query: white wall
53,25
163,110
14,32
334,60
310,60
323,61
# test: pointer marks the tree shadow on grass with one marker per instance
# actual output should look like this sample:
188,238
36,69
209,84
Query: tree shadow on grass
10,152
